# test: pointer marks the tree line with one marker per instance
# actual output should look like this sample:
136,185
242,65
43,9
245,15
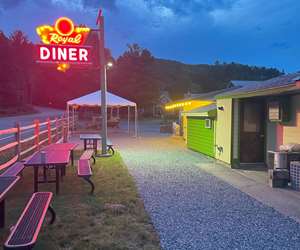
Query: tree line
137,75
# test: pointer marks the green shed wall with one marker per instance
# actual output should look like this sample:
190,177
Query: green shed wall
199,138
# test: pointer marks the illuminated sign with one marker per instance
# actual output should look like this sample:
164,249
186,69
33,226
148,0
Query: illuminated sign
63,54
63,33
63,44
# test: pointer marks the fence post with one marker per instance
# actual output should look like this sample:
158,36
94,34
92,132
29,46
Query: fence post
64,129
49,130
37,133
56,129
18,140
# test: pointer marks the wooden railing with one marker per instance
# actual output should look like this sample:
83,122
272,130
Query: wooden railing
19,142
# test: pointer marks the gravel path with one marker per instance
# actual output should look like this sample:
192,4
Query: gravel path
191,209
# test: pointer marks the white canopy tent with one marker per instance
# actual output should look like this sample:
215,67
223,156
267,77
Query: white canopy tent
94,99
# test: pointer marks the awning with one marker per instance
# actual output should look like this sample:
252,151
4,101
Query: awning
94,99
206,111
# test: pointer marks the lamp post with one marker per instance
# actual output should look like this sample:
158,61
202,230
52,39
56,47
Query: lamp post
103,83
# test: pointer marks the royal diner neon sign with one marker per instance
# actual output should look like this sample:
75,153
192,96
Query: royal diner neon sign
62,43
63,33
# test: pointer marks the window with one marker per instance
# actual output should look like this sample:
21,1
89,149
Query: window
274,111
207,123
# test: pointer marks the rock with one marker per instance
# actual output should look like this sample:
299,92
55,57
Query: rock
115,208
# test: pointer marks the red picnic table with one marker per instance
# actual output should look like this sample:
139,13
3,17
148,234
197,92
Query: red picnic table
90,141
57,159
63,146
6,184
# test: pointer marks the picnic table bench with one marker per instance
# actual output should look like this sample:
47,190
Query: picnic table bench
6,184
87,155
110,146
24,234
84,171
14,170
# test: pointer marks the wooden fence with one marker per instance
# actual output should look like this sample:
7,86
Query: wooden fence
19,142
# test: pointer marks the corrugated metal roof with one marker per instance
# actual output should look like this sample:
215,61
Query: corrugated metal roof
277,82
241,83
203,110
210,96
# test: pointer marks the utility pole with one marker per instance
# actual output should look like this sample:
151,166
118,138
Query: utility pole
100,23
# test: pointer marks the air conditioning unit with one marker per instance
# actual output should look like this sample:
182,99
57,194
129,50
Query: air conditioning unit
277,160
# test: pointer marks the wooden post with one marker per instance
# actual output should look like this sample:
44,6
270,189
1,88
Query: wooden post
37,133
18,140
56,129
61,128
49,130
64,128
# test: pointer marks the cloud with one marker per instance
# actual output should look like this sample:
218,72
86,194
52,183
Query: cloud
188,7
8,4
96,4
259,32
245,14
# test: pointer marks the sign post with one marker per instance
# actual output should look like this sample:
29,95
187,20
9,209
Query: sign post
103,83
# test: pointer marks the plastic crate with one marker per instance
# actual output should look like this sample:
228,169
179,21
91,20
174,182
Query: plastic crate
295,175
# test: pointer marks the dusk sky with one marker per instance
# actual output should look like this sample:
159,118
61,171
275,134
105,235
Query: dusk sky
255,32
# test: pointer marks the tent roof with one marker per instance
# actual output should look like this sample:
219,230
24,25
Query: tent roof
94,99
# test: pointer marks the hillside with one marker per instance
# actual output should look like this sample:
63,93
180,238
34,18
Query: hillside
140,77
178,78
136,75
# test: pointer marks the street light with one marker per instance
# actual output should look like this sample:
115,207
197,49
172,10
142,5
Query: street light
109,65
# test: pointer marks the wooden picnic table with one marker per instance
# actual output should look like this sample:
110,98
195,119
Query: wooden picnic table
63,146
6,184
90,141
58,159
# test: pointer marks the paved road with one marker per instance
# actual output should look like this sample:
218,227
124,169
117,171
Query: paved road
24,120
192,209
42,114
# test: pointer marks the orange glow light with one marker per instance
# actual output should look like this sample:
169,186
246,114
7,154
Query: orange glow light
63,67
64,26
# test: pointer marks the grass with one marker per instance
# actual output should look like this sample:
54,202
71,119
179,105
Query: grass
82,221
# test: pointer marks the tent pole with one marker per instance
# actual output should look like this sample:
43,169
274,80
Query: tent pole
128,122
73,123
136,121
118,112
111,112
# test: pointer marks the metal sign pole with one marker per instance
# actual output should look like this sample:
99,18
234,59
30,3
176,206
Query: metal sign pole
100,22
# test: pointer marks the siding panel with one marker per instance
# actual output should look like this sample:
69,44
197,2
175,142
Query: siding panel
223,130
199,138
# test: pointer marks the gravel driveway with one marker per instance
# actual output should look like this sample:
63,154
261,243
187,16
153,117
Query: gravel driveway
192,209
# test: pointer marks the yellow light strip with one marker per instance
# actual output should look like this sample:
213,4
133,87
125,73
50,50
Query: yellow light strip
178,105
